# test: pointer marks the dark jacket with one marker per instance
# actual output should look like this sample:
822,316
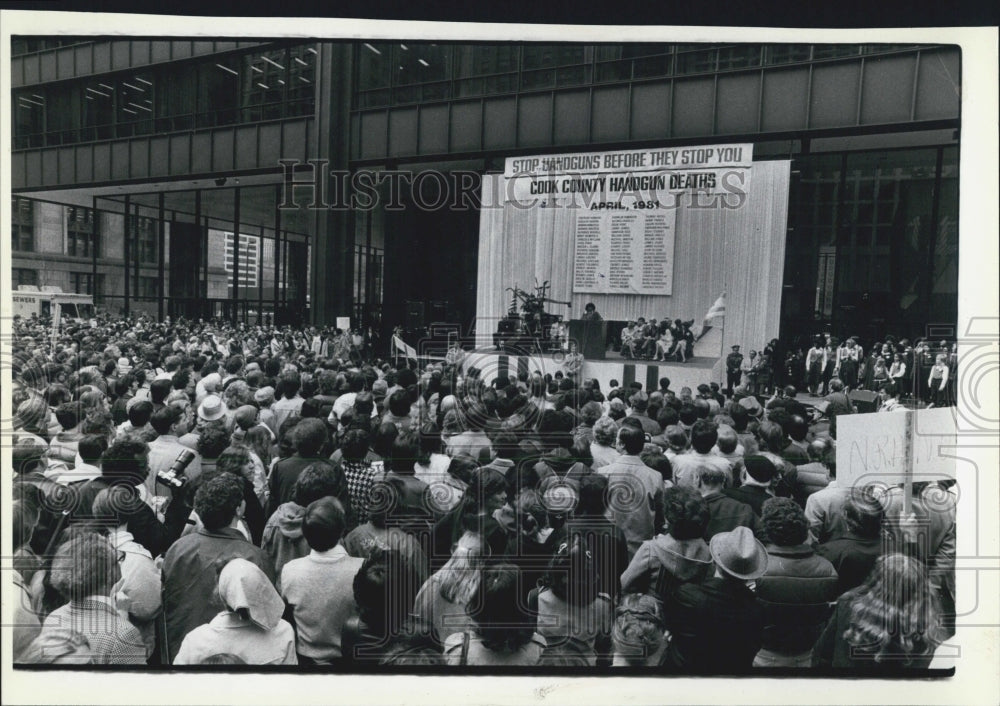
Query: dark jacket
146,529
190,575
663,563
853,557
752,495
282,482
607,544
716,627
726,514
795,593
795,455
559,462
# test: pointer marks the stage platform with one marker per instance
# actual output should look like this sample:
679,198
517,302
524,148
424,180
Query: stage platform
695,371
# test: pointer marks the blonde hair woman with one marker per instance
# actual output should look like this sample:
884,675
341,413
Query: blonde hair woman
442,600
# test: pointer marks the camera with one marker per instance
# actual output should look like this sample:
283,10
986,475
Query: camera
174,476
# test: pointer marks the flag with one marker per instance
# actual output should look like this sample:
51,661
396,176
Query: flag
717,310
399,345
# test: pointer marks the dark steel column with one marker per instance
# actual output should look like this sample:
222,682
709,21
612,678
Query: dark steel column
236,254
95,236
332,280
161,257
277,249
138,258
127,248
260,278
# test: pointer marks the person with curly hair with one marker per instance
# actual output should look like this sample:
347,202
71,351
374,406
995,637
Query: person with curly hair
888,625
189,565
795,590
503,633
678,555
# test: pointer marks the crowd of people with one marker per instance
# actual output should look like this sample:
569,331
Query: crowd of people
923,372
199,493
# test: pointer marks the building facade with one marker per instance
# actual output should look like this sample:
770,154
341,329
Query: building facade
204,136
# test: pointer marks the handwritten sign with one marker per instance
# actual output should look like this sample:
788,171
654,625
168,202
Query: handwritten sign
896,447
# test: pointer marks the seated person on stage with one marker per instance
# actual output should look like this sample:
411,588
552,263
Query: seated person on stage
629,342
650,334
664,341
639,338
677,347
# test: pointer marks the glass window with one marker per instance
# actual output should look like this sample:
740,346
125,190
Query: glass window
787,53
739,57
374,64
82,282
696,62
301,80
832,51
177,94
98,111
145,234
80,237
485,60
63,114
135,104
219,90
22,225
264,80
149,287
29,118
21,276
423,63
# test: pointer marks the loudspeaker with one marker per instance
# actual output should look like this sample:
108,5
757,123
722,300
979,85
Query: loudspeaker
439,311
865,400
414,314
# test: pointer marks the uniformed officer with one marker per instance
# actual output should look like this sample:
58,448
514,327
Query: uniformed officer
733,362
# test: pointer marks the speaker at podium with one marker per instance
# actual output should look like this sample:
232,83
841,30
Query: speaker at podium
590,336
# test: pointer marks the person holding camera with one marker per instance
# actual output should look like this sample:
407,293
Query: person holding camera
170,423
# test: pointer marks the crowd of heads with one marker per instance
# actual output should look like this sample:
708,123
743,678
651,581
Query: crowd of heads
339,509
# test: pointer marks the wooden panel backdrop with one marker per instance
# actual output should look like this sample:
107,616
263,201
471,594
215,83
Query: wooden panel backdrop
740,251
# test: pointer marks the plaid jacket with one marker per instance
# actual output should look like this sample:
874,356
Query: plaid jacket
113,639
360,477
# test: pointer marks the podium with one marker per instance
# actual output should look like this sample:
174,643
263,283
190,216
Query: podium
590,336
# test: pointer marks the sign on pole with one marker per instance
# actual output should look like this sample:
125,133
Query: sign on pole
896,447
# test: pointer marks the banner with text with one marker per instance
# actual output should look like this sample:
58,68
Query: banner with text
879,447
627,201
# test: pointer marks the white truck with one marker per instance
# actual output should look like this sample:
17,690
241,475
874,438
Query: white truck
53,302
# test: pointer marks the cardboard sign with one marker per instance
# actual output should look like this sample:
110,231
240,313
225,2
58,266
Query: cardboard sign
896,447
343,322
